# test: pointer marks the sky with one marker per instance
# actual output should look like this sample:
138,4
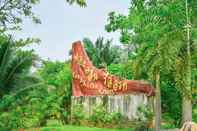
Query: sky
63,24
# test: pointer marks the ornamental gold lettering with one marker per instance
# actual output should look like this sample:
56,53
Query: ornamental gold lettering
90,75
105,80
87,71
95,77
115,86
119,85
75,76
109,83
124,85
84,83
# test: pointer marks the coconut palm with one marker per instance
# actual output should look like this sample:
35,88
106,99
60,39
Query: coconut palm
102,53
15,65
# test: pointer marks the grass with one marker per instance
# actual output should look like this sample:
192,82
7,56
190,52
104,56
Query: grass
80,128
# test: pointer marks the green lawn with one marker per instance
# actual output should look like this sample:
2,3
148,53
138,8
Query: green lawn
80,128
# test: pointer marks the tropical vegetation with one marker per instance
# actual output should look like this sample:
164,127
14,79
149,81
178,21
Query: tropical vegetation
158,44
102,53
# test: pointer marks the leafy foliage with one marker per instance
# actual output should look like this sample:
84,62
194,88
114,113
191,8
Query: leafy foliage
12,12
36,106
58,75
81,3
78,114
31,108
102,53
121,70
99,117
171,101
157,30
145,117
15,65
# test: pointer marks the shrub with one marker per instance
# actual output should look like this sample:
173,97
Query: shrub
101,116
145,119
78,114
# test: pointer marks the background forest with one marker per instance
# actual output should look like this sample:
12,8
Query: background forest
158,44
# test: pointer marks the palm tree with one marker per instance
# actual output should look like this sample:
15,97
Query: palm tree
102,53
15,65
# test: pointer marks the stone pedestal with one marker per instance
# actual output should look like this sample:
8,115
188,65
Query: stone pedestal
127,105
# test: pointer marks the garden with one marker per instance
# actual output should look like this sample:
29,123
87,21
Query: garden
158,44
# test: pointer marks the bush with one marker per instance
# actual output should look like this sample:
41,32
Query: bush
35,106
55,123
78,114
98,115
101,116
21,112
145,118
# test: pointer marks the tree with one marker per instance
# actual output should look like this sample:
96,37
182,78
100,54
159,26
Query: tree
187,106
102,53
57,75
157,29
81,3
15,64
12,12
121,70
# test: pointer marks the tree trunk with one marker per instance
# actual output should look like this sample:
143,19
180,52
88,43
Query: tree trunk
186,109
158,102
186,102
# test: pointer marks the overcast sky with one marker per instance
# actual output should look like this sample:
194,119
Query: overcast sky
63,24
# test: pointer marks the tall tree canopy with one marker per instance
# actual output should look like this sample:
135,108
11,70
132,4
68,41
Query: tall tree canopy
158,31
12,13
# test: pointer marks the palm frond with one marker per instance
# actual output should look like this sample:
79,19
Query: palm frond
15,63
